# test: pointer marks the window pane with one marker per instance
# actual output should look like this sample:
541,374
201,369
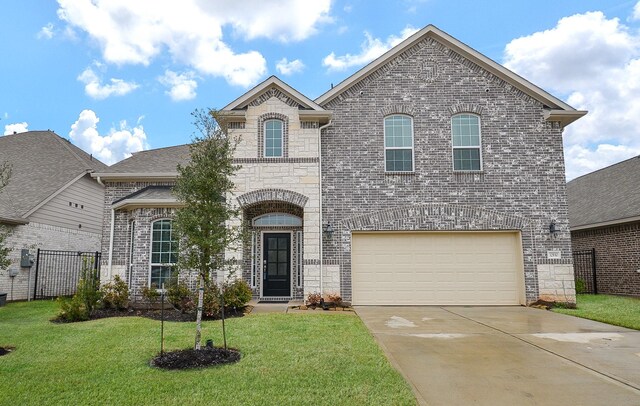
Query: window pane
466,159
399,160
398,131
465,129
164,247
273,138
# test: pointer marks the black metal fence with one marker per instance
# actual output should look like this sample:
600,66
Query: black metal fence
57,272
584,266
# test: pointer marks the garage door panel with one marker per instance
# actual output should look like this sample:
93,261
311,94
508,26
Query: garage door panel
437,268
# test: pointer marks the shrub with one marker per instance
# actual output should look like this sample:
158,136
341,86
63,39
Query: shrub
581,286
82,304
236,294
115,294
314,299
335,298
211,305
181,297
151,294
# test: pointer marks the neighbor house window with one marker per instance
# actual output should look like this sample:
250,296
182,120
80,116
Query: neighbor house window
465,129
398,143
273,138
164,252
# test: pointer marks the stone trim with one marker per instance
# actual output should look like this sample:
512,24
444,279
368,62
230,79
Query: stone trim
265,195
274,92
285,134
276,160
306,125
236,125
466,108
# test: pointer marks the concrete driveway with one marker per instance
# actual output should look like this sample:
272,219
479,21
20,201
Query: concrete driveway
507,355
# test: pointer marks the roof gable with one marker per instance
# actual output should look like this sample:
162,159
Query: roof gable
42,163
557,109
607,196
273,87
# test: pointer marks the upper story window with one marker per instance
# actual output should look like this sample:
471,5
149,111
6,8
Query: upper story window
465,129
273,138
164,252
398,143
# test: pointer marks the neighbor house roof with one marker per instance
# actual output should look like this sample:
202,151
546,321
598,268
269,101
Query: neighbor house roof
158,164
42,164
557,110
607,196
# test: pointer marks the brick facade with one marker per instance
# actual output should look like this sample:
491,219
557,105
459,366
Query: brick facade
521,185
617,256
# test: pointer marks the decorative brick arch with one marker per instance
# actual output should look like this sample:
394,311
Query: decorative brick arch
398,109
285,133
270,195
466,108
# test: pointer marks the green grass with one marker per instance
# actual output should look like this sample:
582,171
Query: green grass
616,310
287,359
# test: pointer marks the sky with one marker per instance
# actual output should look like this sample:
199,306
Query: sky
119,76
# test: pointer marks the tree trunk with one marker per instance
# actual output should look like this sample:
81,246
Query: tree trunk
199,312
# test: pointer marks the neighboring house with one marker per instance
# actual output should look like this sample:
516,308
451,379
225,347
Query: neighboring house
51,201
430,176
604,214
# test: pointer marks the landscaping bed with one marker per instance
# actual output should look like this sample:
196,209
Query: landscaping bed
170,314
191,358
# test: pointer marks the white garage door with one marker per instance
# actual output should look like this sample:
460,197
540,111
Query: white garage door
437,268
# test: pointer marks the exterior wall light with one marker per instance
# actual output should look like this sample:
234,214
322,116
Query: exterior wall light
553,229
327,230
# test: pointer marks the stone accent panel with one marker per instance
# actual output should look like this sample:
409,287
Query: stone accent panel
556,283
617,256
266,195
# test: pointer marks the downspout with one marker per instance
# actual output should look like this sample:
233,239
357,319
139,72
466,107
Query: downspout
320,194
113,225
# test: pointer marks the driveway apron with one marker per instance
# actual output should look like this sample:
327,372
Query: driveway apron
507,355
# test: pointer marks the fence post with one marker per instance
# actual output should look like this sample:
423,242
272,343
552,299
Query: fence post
593,269
35,281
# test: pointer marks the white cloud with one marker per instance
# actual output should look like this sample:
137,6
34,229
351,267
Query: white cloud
191,31
182,86
46,31
118,144
286,67
370,49
636,12
95,89
16,128
594,62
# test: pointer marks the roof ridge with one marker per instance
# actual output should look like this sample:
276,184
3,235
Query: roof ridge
67,145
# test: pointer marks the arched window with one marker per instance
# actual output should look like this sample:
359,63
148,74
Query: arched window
465,131
277,219
398,143
273,138
164,252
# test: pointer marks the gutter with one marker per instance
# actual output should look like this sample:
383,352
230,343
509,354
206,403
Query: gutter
320,195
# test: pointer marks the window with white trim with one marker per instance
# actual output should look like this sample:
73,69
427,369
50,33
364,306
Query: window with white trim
273,136
465,130
164,252
398,143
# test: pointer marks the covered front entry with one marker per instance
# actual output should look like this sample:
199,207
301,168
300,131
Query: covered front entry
437,268
276,265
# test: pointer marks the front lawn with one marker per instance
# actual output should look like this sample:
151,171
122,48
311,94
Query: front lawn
616,310
287,359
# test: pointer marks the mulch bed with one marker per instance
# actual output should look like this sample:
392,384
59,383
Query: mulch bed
187,359
169,314
6,350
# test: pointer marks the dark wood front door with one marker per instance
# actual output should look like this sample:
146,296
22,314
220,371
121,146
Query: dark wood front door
276,265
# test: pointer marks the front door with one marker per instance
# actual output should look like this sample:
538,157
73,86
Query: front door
276,260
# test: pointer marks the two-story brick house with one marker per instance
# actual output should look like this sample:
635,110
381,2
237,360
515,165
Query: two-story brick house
431,176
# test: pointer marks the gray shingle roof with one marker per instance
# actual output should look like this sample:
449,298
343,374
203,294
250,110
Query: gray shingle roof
42,162
606,195
150,192
161,160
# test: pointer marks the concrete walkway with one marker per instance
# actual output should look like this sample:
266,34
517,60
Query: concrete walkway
507,355
280,307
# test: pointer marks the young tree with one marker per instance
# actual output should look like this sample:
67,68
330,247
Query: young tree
205,186
5,173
